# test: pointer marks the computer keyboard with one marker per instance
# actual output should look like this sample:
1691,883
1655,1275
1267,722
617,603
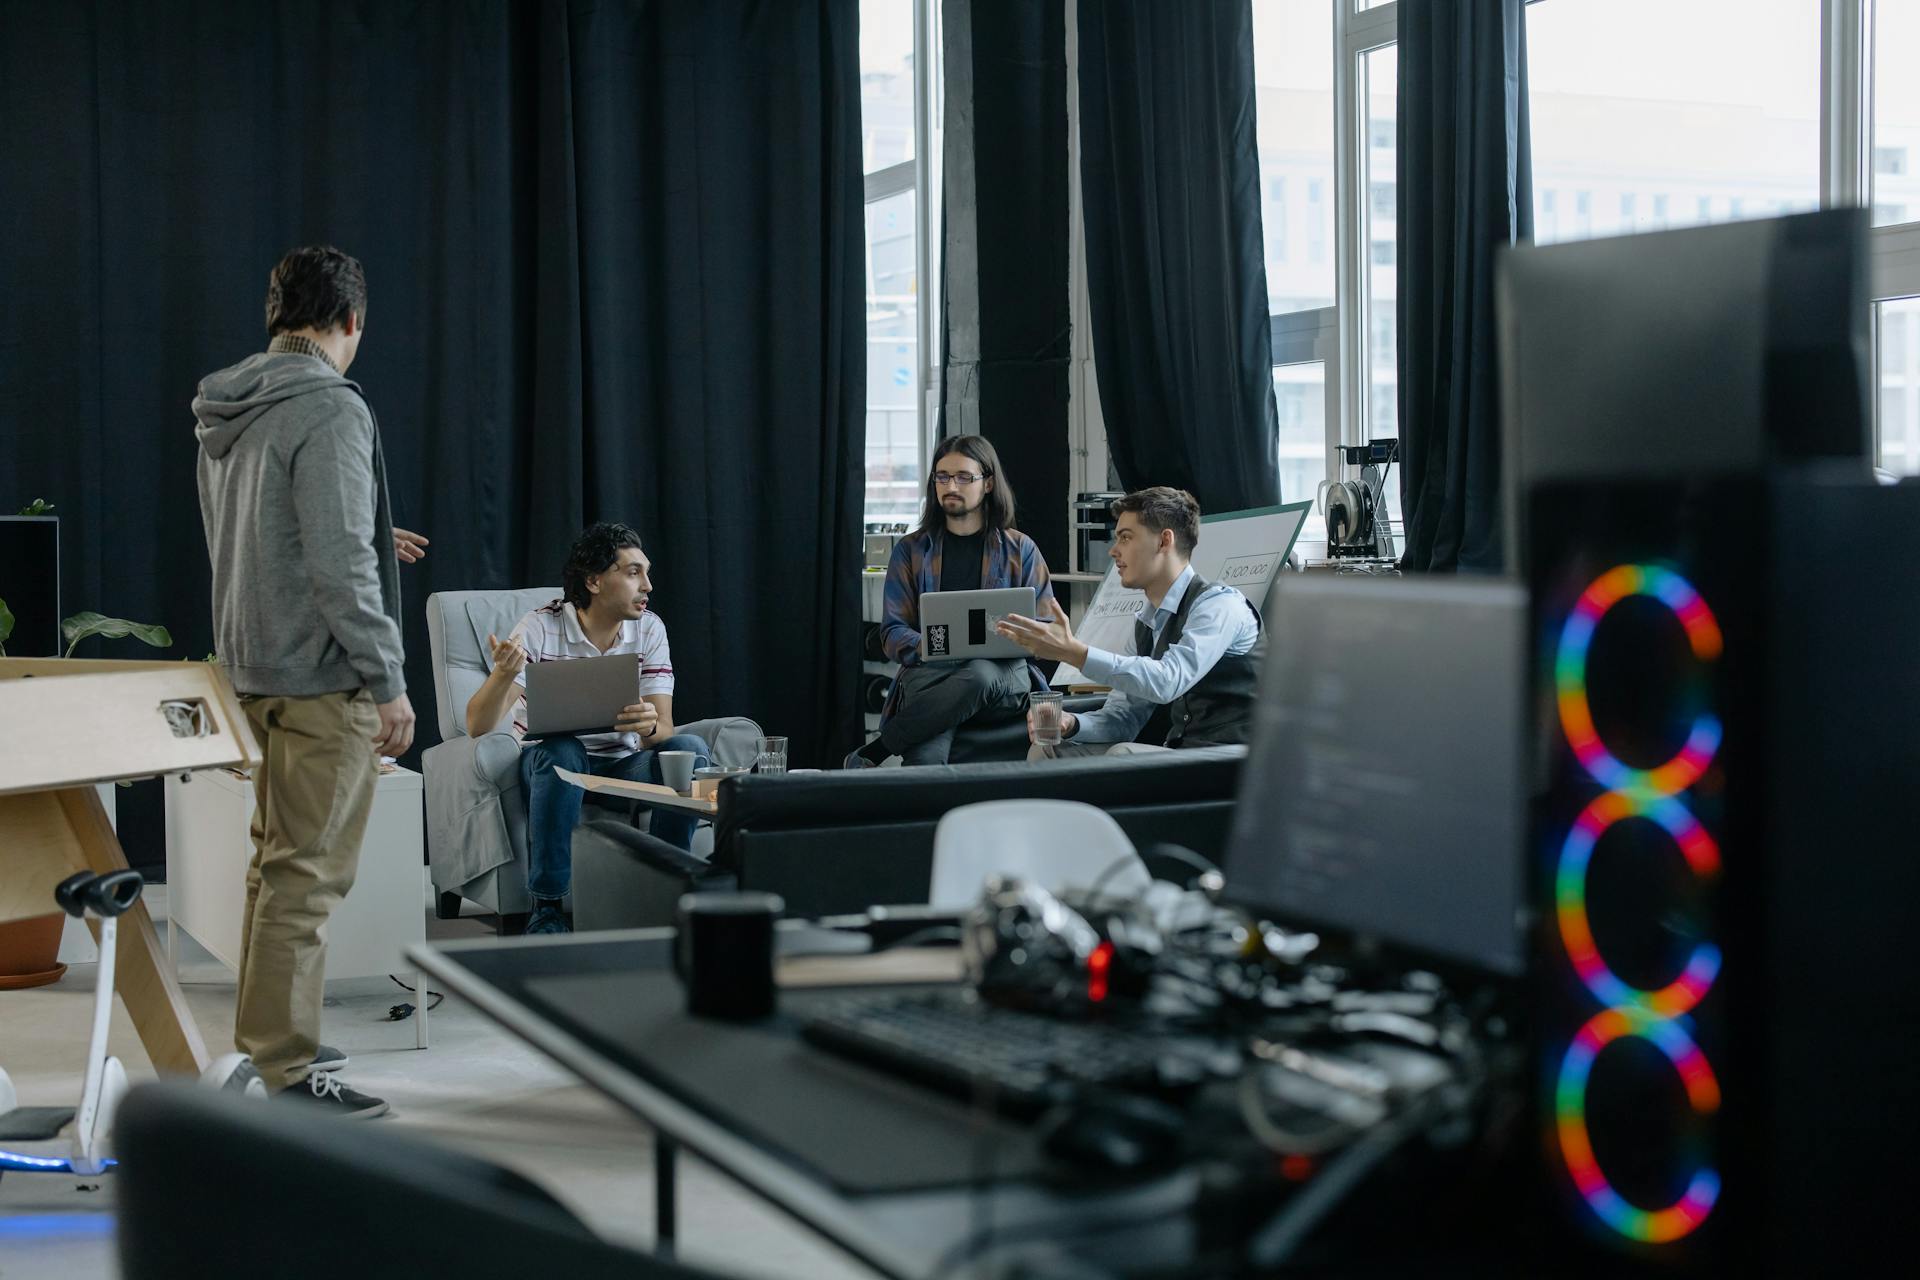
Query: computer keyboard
1016,1061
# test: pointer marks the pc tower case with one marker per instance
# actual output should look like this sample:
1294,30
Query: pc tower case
1727,681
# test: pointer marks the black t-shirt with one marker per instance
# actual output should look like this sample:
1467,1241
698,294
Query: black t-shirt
960,560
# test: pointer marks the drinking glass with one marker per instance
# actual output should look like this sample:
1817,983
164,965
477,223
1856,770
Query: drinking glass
773,756
1046,709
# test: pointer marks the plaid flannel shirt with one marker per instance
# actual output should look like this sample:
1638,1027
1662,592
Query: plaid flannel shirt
1009,560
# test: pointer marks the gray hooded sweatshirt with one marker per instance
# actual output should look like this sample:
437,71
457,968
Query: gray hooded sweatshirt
293,493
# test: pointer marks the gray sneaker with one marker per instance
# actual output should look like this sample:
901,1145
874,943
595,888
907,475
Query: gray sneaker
323,1094
328,1058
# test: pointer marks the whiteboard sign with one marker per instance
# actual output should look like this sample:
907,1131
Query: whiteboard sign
1243,549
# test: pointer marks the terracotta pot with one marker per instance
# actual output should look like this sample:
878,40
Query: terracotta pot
30,952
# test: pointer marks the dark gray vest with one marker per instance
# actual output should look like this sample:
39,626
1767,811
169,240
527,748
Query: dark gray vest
1219,707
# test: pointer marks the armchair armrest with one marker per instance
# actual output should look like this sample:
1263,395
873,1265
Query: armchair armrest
465,779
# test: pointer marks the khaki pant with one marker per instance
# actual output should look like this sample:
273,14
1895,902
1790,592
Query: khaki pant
312,794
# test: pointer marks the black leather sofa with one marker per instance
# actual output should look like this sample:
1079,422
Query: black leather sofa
843,841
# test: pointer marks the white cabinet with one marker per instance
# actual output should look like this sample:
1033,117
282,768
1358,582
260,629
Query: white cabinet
209,847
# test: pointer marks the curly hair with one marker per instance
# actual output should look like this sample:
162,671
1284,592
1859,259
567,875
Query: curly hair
316,287
593,552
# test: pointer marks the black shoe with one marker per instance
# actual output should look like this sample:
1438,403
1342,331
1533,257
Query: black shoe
323,1094
328,1058
547,919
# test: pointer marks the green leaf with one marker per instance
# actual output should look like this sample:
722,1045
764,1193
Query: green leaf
6,626
82,625
38,507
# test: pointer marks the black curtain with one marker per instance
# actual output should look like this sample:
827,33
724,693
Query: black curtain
1176,275
1465,189
614,265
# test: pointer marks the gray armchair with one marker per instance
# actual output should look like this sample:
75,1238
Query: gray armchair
476,818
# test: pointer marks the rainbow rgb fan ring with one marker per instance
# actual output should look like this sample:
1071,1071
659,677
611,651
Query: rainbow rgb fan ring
1570,901
1652,1226
1570,678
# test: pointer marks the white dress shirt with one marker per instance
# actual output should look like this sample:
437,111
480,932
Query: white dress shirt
1221,622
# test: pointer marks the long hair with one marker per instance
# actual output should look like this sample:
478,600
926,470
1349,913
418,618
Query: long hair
998,505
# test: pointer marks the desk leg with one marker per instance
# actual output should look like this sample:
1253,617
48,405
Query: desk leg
46,836
420,1002
665,1151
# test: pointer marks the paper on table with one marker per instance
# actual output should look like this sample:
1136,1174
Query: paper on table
650,792
616,786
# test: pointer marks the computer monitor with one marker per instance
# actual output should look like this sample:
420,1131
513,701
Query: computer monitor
1384,797
30,584
1689,353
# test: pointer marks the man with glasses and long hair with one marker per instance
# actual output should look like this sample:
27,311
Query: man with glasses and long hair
966,542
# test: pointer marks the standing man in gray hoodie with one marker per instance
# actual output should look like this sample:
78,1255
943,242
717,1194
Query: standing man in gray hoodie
306,619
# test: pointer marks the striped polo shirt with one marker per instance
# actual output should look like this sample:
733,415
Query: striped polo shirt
552,633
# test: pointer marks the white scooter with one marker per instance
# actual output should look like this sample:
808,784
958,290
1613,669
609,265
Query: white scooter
85,1152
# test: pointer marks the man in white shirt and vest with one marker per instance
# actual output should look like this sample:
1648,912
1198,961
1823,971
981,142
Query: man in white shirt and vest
1194,669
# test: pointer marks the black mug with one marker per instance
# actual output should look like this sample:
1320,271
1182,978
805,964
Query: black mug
724,953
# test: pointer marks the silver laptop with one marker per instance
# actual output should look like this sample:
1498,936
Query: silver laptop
958,625
580,695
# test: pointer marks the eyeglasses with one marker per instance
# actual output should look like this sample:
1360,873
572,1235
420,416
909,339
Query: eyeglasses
955,479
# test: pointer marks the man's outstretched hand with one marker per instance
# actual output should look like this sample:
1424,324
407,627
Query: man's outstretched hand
1052,639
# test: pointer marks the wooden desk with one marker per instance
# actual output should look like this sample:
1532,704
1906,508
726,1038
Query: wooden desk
72,723
647,793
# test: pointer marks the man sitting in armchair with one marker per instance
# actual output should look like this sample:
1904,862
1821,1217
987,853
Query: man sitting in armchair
604,611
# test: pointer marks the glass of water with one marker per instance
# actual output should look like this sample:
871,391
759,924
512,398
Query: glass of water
773,756
1045,709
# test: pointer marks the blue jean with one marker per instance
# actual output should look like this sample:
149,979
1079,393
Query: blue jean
553,806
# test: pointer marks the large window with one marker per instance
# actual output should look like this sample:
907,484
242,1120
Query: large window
1734,109
893,361
1896,112
1893,190
1327,129
896,115
1898,358
1298,178
1648,133
1379,92
1294,83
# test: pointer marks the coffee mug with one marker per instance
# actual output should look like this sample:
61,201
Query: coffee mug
676,769
724,953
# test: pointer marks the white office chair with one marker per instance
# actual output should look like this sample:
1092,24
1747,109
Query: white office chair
1056,844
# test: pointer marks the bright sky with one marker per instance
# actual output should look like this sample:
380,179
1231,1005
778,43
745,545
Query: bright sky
886,33
1757,52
